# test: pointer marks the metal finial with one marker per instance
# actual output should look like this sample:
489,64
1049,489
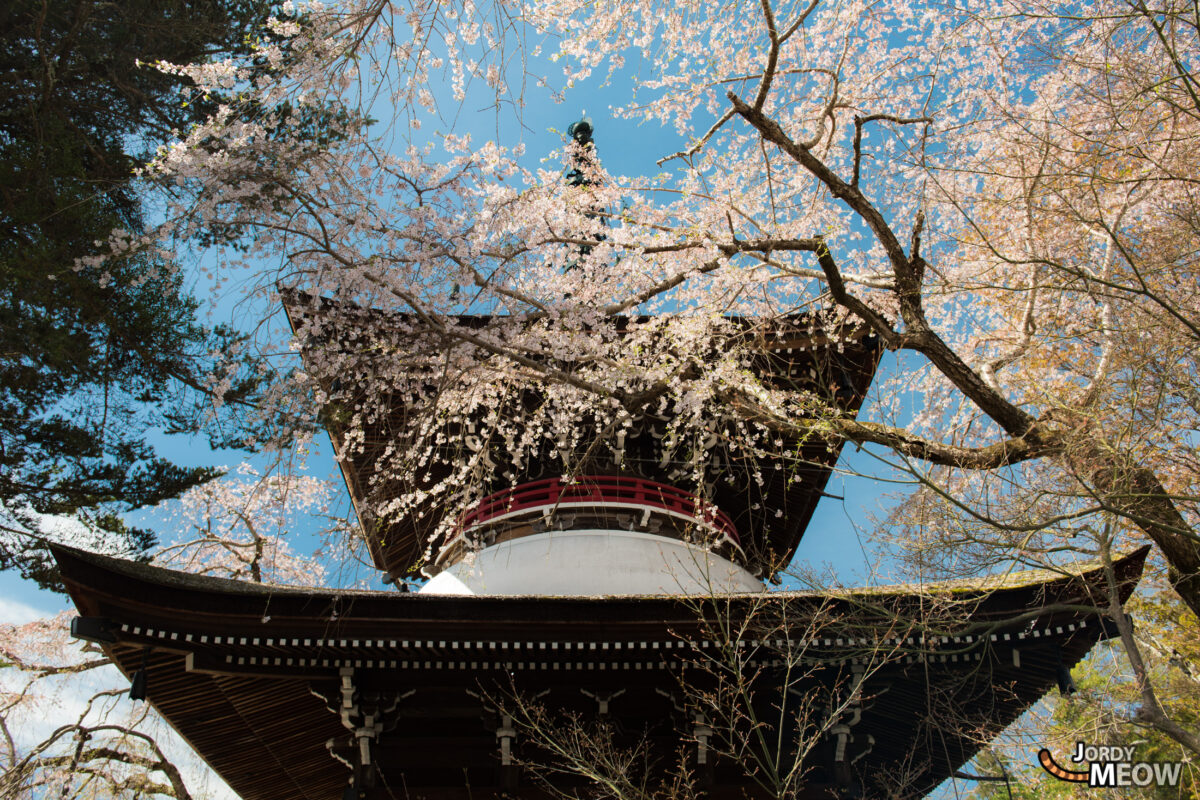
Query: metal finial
581,131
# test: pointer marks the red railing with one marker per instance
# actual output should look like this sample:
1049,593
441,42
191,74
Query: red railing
598,490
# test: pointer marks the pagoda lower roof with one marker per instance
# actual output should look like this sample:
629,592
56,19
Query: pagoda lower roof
250,674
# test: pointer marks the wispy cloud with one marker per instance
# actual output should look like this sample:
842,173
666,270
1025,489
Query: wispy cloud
14,612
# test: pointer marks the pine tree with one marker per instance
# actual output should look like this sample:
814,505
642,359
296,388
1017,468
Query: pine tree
92,357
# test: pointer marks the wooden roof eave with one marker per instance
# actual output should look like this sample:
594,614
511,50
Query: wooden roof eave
97,583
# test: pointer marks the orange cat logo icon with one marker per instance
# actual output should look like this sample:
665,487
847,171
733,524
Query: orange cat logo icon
1050,765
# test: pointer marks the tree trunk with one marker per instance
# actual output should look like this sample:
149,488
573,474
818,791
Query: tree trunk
1135,492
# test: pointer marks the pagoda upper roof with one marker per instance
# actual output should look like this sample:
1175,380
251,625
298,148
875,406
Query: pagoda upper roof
770,516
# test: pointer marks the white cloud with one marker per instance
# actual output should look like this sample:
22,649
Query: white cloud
14,612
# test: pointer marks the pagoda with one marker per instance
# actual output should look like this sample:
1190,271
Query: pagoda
617,611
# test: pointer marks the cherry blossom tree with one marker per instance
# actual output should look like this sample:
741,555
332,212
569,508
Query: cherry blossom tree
67,724
1001,192
97,743
237,528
